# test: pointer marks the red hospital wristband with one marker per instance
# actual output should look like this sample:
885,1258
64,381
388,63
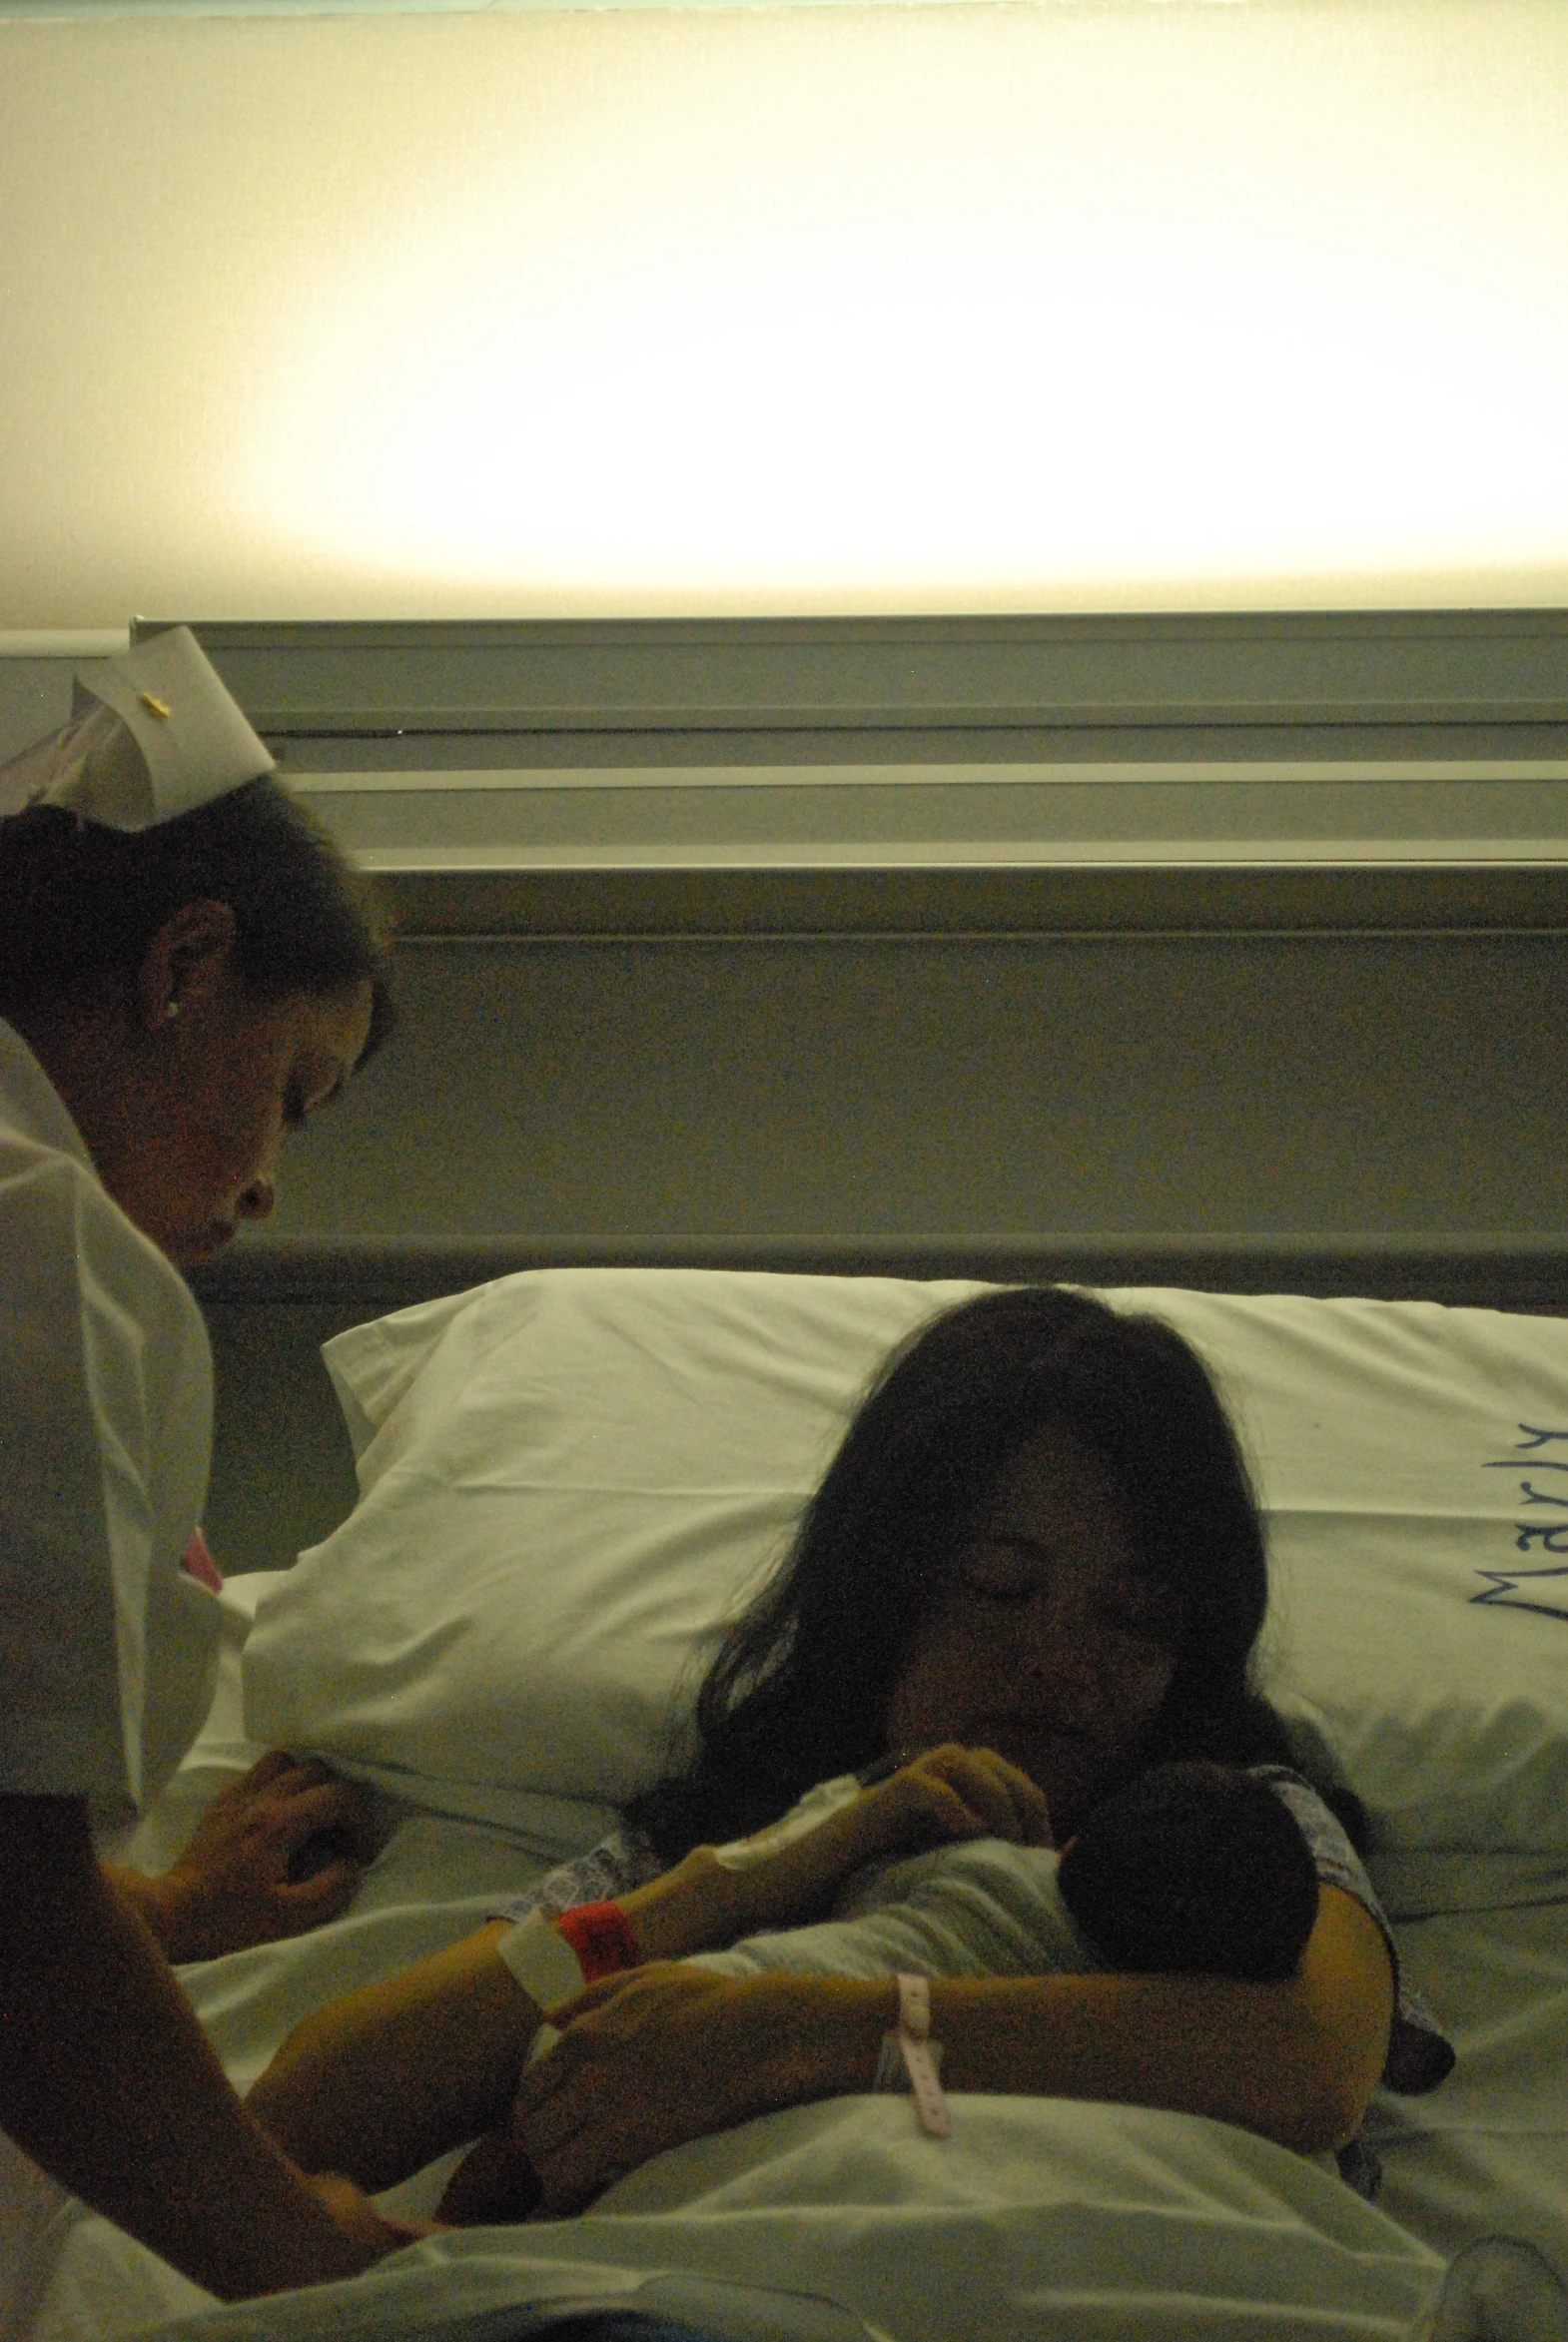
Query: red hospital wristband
601,1934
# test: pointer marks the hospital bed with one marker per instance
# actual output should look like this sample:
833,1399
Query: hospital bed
568,1476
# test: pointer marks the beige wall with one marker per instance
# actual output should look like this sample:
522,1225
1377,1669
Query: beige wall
955,307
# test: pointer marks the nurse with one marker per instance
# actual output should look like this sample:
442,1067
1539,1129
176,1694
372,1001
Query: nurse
188,968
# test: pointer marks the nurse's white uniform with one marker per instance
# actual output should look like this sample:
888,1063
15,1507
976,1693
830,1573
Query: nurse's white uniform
108,1646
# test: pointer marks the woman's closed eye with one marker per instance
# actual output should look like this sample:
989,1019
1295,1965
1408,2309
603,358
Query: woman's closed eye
1007,1575
1001,1572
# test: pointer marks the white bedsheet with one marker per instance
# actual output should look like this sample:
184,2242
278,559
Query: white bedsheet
1488,2151
1033,2221
1038,2219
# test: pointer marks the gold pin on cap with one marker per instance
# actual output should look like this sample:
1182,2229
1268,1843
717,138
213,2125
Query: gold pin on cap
151,735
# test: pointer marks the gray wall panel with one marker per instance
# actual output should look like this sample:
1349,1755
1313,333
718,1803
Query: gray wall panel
812,1086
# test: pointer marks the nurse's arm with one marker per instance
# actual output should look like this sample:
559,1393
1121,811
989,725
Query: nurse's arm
108,2082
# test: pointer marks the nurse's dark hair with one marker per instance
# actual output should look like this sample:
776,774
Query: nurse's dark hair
799,1689
83,901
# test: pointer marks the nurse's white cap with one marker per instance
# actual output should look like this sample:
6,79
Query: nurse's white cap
151,735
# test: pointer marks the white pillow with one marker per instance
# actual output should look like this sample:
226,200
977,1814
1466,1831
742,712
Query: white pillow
1408,1638
572,1477
569,1478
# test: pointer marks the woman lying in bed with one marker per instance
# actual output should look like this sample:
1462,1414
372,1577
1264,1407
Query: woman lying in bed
1037,1539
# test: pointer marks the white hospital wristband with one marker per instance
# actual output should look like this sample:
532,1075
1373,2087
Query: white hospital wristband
910,2058
541,1959
810,1814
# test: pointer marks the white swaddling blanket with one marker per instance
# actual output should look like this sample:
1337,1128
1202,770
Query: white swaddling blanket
980,1909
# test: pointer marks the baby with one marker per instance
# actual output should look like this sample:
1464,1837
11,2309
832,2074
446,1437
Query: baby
1195,1867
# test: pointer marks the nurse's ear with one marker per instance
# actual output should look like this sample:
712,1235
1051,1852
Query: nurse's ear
186,965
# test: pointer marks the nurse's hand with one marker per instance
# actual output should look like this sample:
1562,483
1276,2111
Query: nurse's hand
367,2234
494,2187
279,1851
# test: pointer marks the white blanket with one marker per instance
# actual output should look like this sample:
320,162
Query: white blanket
1040,2220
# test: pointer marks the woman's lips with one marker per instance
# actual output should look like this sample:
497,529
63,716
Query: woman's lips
1039,1733
1033,1748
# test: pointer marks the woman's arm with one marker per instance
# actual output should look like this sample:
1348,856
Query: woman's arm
378,2083
669,2054
1296,2061
384,2079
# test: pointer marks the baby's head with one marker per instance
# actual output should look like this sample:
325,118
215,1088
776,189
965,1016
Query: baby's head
1194,1867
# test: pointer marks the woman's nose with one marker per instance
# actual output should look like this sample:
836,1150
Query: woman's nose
257,1201
1059,1653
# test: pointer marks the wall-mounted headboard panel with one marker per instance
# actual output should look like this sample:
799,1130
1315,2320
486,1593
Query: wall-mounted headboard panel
282,1474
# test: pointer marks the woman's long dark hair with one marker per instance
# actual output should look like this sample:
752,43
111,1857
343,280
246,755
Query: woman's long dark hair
800,1687
82,901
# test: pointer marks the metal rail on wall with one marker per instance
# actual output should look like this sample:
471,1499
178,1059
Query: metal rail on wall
1311,770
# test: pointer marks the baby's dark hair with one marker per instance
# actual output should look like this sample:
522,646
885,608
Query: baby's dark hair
1195,1867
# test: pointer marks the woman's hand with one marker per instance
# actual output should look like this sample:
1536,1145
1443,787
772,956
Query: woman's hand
279,1851
668,2053
945,1794
787,1874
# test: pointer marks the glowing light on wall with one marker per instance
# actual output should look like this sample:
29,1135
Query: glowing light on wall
991,311
831,308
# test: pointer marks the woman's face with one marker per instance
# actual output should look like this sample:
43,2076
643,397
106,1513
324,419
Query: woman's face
1047,1643
222,1083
